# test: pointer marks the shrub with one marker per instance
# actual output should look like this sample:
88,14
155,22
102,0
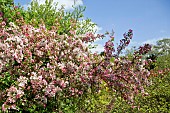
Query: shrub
44,70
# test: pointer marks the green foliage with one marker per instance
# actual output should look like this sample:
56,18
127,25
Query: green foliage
51,16
158,100
5,81
48,14
112,60
45,12
163,62
6,3
97,102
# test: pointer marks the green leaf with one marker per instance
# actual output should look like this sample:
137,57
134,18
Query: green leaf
112,60
112,39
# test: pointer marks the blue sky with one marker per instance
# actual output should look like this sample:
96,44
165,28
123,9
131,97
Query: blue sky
149,19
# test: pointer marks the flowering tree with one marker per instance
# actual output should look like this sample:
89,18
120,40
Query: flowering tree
40,65
43,64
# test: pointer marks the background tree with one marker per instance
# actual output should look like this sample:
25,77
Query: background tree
48,14
162,46
51,16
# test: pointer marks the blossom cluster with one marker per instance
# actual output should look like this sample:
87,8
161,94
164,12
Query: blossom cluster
124,42
144,49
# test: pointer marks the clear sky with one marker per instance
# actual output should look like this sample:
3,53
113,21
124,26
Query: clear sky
149,19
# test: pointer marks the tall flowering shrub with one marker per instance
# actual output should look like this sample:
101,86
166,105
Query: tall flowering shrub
45,66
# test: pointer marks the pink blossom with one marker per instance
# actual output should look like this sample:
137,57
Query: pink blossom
16,7
13,106
11,100
3,24
62,83
4,107
19,94
18,13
